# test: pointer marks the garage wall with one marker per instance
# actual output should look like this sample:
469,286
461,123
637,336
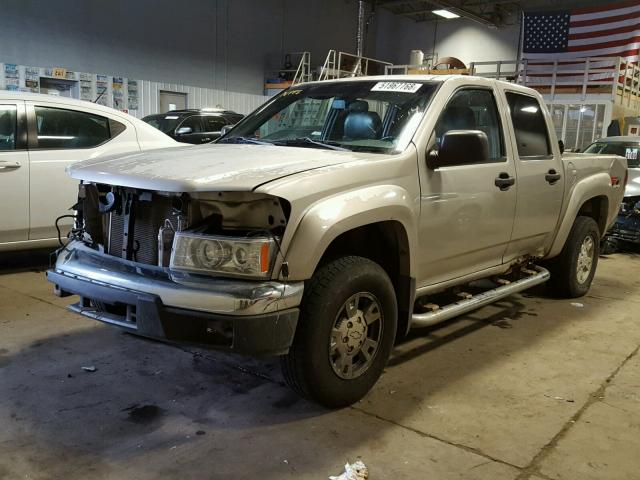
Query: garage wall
469,41
220,44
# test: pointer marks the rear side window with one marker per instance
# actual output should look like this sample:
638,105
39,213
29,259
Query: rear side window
60,128
529,126
214,124
8,116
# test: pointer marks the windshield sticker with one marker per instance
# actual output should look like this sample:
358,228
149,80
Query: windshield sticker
632,153
291,92
403,87
171,117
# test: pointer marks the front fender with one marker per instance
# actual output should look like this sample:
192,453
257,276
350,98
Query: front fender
598,185
324,221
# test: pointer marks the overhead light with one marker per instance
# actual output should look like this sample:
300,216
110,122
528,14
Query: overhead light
445,13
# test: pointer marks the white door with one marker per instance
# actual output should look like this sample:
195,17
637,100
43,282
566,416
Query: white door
14,173
58,138
172,101
466,217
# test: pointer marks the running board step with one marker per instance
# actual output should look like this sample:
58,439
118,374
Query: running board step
535,277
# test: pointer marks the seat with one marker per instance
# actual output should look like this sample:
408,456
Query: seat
457,118
360,123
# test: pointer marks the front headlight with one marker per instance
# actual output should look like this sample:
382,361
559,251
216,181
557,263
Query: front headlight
233,256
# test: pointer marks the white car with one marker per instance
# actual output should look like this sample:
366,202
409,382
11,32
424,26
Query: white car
40,135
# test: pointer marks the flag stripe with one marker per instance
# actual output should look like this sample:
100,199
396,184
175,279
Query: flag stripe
604,8
595,36
604,26
623,40
601,15
597,21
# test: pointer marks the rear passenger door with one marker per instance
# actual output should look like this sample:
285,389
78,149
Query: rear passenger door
539,176
14,172
58,137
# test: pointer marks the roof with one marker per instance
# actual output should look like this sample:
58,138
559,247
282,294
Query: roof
7,94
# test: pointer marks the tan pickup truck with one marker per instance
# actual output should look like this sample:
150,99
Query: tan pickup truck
336,217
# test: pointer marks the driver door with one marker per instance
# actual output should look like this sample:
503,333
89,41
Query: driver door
465,219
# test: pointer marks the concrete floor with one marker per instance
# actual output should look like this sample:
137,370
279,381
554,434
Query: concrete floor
530,388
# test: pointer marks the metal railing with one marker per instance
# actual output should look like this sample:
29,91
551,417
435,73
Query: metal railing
303,73
342,64
612,76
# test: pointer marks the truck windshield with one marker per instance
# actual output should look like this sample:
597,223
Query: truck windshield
367,115
629,150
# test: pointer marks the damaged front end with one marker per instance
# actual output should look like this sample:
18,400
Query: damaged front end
188,267
626,229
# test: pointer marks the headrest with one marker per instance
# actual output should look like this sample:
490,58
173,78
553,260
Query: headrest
362,126
358,106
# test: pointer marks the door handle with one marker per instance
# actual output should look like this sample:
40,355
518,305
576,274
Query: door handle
552,176
9,164
505,181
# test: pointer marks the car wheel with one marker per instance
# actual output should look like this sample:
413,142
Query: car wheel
572,271
345,333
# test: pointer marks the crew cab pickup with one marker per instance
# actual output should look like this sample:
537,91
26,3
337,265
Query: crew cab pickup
336,217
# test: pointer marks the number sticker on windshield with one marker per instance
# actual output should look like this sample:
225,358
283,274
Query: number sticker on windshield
403,87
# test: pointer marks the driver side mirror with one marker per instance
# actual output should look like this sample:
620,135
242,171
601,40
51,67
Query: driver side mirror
184,131
459,147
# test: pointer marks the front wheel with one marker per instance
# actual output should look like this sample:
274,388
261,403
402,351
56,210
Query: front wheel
572,271
345,333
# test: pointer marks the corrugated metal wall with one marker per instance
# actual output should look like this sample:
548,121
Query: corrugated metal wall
149,98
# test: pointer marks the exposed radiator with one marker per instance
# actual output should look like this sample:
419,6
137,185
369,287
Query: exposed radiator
147,219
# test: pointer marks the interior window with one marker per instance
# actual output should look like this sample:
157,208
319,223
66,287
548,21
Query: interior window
60,128
474,109
214,124
8,115
194,122
529,126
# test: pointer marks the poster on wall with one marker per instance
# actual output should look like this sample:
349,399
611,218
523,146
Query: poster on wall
11,76
132,89
118,93
32,79
86,87
102,87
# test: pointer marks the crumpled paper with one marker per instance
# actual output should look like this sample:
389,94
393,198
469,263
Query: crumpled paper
353,471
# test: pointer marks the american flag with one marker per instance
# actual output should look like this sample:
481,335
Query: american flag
611,30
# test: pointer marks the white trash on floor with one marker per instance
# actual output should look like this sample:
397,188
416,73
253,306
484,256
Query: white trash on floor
353,471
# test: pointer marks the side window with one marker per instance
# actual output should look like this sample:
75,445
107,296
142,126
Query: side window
194,122
8,116
60,128
214,124
529,126
474,109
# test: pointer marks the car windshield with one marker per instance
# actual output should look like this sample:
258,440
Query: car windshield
624,149
166,123
367,115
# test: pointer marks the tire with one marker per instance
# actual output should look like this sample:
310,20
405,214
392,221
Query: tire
571,272
317,365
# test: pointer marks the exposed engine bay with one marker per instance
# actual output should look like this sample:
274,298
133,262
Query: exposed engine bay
626,230
141,225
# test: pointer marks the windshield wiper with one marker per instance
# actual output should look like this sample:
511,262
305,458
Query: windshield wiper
306,141
251,141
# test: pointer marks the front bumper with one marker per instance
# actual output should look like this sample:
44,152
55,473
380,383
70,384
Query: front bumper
240,315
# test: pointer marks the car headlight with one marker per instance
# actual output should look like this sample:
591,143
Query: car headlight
232,256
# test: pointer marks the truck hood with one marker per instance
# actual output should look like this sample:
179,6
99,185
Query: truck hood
207,168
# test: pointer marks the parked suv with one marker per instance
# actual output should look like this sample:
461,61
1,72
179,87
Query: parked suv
193,126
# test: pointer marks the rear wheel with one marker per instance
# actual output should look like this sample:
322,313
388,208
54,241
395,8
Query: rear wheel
572,271
345,333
